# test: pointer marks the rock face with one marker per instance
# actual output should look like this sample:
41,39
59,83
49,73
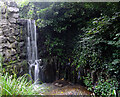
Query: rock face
12,36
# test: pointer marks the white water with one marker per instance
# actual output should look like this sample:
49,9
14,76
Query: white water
32,49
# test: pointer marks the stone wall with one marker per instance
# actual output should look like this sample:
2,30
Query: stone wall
12,37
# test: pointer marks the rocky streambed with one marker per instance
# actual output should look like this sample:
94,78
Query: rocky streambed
58,89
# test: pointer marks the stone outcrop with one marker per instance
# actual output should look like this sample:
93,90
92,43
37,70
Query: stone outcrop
12,36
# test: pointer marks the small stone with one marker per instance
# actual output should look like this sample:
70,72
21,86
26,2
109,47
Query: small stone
3,10
1,33
16,33
56,84
4,16
12,4
11,39
14,58
22,21
1,39
5,27
14,45
1,46
4,40
1,53
60,85
22,55
7,45
13,9
13,52
6,32
12,20
7,53
21,44
1,3
3,22
16,15
1,50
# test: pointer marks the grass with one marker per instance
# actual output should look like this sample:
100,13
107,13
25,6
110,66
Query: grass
10,85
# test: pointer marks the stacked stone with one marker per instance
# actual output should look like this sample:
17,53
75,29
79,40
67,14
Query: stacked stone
12,40
9,16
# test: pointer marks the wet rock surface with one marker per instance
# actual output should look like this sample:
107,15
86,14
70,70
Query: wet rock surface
69,89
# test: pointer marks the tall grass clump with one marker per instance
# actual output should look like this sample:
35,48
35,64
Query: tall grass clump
0,77
16,86
11,85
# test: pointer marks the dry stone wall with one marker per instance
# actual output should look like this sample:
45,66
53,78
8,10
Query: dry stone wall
12,37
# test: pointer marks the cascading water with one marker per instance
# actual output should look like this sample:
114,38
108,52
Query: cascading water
32,49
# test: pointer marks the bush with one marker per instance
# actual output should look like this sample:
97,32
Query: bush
16,86
102,86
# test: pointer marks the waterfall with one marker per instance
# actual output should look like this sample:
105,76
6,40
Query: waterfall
32,49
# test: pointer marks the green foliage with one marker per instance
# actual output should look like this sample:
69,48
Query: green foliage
87,33
88,82
102,86
106,87
22,3
16,86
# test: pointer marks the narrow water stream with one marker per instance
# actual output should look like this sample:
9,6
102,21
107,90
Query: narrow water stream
32,49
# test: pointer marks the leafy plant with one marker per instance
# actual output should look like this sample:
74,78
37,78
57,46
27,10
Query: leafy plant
88,82
16,86
106,87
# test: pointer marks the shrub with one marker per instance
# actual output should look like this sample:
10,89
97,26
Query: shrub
16,86
106,87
